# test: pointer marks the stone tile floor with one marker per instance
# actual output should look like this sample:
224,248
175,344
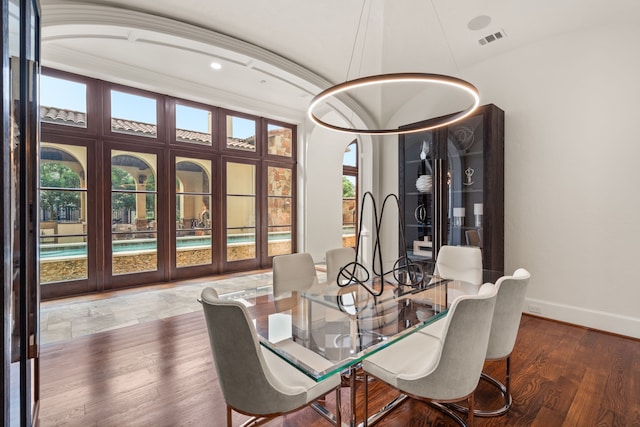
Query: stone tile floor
83,315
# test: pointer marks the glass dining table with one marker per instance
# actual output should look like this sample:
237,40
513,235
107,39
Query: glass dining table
329,329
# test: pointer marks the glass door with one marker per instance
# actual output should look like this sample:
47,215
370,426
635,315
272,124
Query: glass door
196,219
21,292
241,222
134,244
64,214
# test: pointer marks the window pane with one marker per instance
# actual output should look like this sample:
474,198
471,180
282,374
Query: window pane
63,101
279,241
349,158
241,211
133,212
279,141
279,210
135,254
133,114
193,125
241,178
193,212
349,211
193,176
13,36
241,133
63,213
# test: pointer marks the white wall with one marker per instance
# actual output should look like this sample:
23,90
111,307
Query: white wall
572,156
322,181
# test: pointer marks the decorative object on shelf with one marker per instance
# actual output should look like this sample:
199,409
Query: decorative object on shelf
477,212
424,183
469,173
464,137
336,95
404,271
423,247
458,217
420,214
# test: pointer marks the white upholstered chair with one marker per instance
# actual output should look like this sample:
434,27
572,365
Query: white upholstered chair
512,291
440,369
459,263
255,381
293,272
336,259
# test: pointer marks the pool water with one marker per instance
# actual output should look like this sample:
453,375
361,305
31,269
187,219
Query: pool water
63,250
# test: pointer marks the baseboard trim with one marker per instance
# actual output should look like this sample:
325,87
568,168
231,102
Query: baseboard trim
593,319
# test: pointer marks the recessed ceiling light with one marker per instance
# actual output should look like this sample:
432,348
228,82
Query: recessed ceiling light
216,65
479,22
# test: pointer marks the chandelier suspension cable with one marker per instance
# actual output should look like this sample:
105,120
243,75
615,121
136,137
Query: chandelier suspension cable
355,42
355,45
446,39
460,86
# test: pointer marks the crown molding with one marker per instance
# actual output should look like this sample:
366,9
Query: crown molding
86,18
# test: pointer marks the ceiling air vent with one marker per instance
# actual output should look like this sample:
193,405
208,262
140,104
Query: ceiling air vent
492,37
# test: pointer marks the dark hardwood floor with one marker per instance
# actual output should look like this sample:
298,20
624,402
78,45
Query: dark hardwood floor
161,374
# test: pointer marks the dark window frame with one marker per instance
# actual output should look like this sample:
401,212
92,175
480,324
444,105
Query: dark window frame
101,140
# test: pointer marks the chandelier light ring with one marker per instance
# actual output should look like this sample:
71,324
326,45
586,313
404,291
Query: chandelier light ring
380,79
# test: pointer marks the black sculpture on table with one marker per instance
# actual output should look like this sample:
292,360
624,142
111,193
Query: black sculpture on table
405,271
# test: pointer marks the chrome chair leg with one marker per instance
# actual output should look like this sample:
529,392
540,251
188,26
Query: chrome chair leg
505,392
446,409
365,422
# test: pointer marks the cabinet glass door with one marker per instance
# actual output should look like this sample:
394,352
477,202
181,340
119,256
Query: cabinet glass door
465,177
419,207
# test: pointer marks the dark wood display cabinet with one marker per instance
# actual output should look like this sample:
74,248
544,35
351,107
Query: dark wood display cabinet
452,188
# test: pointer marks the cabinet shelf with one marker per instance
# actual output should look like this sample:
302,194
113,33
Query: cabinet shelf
466,190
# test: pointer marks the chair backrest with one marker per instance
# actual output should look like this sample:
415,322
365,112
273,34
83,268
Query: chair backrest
245,379
465,339
336,259
293,272
459,263
512,291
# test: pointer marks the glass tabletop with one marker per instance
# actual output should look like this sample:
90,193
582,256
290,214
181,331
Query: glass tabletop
327,328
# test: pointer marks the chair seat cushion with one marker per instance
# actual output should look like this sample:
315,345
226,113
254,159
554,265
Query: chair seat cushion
294,380
402,361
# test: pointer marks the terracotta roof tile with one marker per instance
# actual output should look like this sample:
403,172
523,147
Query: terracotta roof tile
191,136
248,144
76,118
60,116
135,128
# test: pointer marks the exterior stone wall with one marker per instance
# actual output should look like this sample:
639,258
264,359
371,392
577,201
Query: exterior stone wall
189,257
63,270
349,241
74,269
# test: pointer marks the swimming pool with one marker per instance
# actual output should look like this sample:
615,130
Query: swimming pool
75,250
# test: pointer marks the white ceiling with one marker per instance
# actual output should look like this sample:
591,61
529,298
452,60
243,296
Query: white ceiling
290,49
